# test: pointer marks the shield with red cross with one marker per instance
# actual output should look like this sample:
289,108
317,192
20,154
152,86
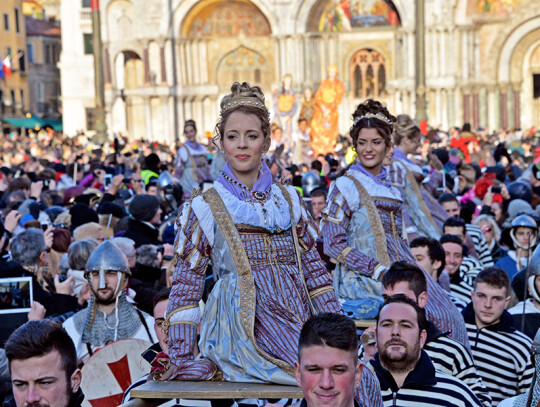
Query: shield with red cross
111,370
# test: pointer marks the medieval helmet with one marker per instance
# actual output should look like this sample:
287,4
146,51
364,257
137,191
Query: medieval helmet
164,179
524,221
310,181
106,257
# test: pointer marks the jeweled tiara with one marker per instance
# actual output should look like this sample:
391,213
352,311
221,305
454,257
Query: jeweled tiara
245,101
379,116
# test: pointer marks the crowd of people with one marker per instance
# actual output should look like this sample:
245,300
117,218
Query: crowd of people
239,258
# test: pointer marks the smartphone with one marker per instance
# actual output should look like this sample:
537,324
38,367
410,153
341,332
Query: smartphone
496,190
107,180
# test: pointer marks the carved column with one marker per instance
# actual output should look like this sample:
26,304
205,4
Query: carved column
466,107
146,62
475,109
163,64
504,106
516,87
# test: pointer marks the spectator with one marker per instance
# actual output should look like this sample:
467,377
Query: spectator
492,234
328,370
90,230
43,366
447,355
29,254
405,371
429,254
146,215
461,283
492,333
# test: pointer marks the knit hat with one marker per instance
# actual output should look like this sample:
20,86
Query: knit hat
81,214
143,207
109,208
518,206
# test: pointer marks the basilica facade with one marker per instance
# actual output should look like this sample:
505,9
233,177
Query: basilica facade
166,61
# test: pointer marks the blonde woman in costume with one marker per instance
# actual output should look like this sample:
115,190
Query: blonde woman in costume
260,240
362,225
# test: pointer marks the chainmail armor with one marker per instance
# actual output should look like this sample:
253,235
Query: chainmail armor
521,400
99,333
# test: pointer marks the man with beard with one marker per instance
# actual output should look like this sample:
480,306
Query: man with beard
109,316
405,371
43,366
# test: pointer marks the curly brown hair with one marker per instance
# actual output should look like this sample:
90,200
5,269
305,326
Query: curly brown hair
383,128
242,90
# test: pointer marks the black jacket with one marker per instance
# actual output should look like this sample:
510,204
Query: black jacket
142,233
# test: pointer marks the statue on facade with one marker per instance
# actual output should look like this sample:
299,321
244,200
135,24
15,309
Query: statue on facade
324,126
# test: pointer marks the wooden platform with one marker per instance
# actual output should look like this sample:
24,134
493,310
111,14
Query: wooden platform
364,323
208,390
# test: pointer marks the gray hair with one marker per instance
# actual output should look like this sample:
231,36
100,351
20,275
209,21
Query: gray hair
491,220
27,246
147,255
124,243
80,251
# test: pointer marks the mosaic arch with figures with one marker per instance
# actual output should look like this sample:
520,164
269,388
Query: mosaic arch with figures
349,15
242,64
229,18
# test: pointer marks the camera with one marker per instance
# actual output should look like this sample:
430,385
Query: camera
496,190
160,248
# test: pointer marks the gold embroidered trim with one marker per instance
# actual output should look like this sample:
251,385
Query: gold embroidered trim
416,189
167,323
194,168
245,276
375,222
343,254
320,291
287,197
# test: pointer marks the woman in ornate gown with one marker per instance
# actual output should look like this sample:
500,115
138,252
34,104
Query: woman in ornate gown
260,240
192,165
362,225
427,216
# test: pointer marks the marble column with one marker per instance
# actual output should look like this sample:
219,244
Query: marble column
148,118
146,65
163,64
516,87
466,108
475,109
504,106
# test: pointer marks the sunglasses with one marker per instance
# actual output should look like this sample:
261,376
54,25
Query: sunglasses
486,229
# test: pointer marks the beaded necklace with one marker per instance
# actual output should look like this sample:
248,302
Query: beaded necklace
253,197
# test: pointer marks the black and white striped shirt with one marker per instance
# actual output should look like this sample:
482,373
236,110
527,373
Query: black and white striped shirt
424,386
501,355
451,357
461,286
470,267
480,245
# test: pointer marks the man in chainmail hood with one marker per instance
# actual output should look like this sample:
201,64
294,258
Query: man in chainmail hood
532,397
109,316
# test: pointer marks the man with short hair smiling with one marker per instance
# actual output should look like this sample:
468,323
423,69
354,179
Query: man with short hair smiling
43,366
460,283
501,353
328,370
405,371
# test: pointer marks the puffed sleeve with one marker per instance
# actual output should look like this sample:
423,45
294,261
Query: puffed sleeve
336,218
192,254
318,279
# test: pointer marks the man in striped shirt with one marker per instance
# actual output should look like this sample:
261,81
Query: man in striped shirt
447,355
460,283
501,353
405,371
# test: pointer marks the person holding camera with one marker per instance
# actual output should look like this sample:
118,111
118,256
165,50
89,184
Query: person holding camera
144,221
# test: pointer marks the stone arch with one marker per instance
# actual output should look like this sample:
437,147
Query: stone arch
367,73
188,8
405,9
243,64
128,70
121,18
501,50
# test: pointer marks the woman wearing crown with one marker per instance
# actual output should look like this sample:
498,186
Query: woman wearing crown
261,242
362,225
